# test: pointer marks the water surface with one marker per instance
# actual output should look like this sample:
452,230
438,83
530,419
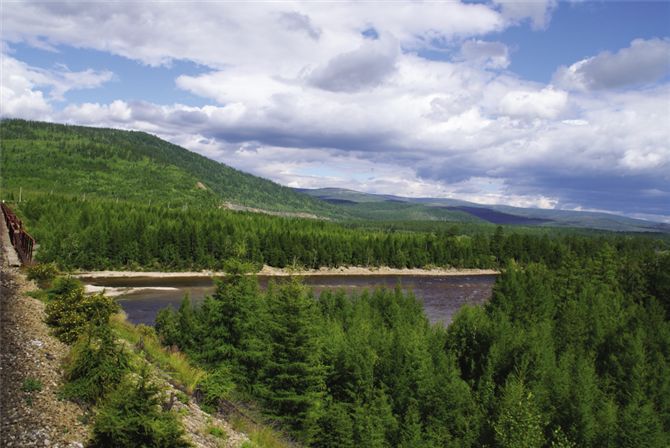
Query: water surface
441,296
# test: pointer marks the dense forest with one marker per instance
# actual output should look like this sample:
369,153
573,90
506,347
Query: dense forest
105,234
572,356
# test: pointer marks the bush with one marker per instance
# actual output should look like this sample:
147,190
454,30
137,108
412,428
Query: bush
95,365
215,387
132,416
43,273
69,310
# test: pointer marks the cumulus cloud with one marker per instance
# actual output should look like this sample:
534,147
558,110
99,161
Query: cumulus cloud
643,62
299,22
546,103
273,37
362,68
21,86
487,54
537,11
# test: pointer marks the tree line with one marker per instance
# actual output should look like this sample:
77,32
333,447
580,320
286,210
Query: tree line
92,233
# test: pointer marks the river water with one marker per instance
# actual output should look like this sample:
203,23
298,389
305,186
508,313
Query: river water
441,296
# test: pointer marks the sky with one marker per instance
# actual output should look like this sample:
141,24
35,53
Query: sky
537,104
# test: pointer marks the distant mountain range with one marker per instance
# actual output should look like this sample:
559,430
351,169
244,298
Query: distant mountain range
376,206
39,157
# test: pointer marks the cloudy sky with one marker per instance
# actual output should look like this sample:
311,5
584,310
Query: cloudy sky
537,103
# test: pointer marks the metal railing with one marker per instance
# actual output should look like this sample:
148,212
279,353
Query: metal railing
21,240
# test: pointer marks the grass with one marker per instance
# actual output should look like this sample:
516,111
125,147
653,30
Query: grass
38,294
171,362
259,436
31,384
216,431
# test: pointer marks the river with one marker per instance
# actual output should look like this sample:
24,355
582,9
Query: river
441,296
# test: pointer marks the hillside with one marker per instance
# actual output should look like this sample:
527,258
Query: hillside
373,206
129,165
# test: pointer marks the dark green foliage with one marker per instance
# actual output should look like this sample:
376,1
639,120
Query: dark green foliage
560,357
583,339
215,387
132,416
69,311
95,365
291,383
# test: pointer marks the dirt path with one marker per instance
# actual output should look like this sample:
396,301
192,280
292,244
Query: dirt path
31,358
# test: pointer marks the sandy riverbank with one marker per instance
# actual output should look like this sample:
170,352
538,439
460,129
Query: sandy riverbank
111,291
277,272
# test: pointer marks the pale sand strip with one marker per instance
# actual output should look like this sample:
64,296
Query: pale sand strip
277,272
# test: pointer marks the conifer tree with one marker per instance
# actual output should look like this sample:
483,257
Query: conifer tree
293,378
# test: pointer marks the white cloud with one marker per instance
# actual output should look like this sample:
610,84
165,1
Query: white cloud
546,103
487,54
22,86
276,37
17,95
537,11
643,62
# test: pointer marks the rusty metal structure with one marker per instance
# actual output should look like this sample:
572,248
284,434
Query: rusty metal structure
21,240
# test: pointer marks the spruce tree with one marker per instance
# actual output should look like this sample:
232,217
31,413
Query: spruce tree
293,379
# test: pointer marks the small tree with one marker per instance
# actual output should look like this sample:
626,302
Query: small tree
95,365
69,311
132,417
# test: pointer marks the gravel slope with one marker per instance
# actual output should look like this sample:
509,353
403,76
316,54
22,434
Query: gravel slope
29,352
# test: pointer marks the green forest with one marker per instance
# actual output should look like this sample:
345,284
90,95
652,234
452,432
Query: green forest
572,356
105,234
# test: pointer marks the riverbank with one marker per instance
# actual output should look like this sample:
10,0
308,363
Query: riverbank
269,271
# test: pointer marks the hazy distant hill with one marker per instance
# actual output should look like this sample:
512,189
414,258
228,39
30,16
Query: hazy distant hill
440,208
132,166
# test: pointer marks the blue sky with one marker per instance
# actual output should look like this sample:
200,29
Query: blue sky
544,104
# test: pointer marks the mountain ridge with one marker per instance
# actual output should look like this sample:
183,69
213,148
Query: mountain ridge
526,216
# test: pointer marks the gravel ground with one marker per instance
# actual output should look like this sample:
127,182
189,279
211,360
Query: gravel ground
30,356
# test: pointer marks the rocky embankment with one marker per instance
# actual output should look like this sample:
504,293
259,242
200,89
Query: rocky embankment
31,415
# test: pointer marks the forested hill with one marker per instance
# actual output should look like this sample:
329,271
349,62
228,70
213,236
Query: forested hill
130,165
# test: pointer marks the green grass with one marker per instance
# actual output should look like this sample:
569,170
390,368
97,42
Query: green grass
216,431
260,436
174,363
31,384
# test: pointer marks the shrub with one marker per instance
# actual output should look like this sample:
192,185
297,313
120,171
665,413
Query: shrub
95,365
215,387
43,273
69,310
132,416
